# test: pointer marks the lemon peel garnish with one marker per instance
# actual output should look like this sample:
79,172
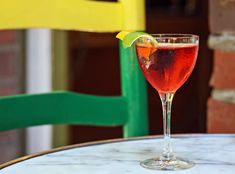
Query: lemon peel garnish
123,34
129,37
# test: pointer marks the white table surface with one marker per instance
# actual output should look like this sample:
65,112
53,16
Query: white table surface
211,154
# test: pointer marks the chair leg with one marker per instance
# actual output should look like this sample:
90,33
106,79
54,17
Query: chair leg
134,90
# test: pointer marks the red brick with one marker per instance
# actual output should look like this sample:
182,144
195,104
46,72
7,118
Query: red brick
10,145
9,90
220,117
221,15
8,36
224,70
8,64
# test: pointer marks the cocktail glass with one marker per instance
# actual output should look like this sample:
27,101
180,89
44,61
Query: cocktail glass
167,62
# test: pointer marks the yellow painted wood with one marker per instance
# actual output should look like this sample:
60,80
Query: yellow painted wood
60,60
134,14
60,79
83,15
60,135
61,14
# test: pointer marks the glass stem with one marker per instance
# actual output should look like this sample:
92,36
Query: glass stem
166,99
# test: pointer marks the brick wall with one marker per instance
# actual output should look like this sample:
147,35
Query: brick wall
221,105
10,83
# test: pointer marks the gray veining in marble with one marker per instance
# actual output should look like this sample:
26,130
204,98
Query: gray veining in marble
212,154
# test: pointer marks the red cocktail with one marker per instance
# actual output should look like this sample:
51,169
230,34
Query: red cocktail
167,60
167,66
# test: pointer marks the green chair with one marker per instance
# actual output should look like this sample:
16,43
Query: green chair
63,107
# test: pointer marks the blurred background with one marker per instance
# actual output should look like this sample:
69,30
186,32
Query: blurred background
93,67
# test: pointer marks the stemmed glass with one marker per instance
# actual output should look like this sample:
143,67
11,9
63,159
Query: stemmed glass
166,62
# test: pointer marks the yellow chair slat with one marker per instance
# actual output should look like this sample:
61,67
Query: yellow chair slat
62,14
134,12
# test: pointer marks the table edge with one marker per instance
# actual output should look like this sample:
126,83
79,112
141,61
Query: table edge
17,160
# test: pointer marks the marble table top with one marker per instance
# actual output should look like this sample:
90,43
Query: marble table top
211,154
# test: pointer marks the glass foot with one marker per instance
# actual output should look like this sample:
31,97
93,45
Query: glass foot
162,164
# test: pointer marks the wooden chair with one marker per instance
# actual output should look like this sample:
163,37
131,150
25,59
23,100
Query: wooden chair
63,107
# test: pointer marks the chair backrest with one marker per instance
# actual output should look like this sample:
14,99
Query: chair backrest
129,109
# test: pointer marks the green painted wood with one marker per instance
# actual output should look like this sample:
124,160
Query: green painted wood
134,90
61,107
129,109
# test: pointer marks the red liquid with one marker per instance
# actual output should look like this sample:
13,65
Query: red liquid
168,66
